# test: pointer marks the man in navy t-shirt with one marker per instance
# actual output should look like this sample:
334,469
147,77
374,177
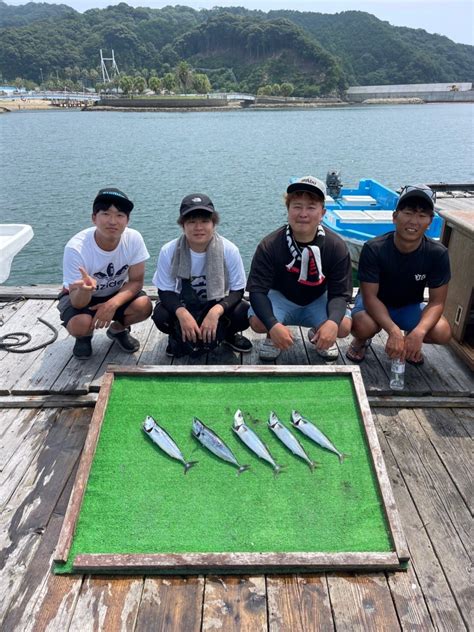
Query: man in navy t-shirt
394,270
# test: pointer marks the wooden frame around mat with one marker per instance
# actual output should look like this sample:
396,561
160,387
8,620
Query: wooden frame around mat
194,563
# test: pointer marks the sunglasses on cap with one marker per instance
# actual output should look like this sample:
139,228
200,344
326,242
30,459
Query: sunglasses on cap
411,188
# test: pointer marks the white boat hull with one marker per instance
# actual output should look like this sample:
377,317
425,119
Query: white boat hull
13,237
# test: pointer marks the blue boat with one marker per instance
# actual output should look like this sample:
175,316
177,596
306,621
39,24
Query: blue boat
362,213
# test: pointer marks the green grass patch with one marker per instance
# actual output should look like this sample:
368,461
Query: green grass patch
138,500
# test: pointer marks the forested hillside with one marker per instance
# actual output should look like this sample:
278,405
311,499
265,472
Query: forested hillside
291,52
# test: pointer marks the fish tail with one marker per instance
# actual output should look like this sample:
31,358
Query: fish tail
188,465
242,468
342,456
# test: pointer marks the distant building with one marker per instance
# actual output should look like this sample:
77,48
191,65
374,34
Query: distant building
453,91
8,90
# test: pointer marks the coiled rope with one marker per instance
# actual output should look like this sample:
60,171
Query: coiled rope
10,342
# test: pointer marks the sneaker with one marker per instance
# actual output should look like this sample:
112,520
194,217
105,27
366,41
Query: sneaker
82,348
268,351
237,342
328,354
125,341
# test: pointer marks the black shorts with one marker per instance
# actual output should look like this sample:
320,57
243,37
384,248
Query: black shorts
67,311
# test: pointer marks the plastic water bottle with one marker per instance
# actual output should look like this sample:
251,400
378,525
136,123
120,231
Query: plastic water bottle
397,375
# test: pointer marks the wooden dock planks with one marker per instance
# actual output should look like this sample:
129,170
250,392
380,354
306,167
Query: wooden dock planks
427,449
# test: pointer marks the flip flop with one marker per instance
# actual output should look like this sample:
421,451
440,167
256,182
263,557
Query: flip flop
356,353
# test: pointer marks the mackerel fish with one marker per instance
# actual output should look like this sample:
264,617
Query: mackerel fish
253,441
214,444
310,430
163,440
289,440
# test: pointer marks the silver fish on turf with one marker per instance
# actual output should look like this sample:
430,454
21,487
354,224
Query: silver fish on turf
163,440
214,444
253,441
289,440
310,430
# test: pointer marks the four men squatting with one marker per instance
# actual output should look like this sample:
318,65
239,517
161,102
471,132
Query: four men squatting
300,275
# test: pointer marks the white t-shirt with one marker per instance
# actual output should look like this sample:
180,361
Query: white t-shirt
164,280
109,268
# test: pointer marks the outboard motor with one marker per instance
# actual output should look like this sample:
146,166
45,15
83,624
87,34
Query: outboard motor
334,183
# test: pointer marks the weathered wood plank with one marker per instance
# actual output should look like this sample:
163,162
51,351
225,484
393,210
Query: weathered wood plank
13,365
390,508
171,603
232,563
362,602
296,354
53,400
375,378
107,604
454,447
22,606
298,603
32,429
14,425
75,502
77,375
28,511
445,372
429,566
234,604
466,418
141,331
45,368
153,350
415,382
409,601
55,604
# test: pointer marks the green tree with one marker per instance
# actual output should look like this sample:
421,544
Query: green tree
169,82
126,84
264,91
139,84
201,83
287,89
183,76
154,83
276,90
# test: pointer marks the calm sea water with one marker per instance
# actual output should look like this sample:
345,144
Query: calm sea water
53,163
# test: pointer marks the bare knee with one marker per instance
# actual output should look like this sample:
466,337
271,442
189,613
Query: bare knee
440,334
257,325
80,325
138,311
364,326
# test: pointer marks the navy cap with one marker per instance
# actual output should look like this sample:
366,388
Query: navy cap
116,197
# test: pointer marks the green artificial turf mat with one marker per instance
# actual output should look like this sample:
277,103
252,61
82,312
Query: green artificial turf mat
138,500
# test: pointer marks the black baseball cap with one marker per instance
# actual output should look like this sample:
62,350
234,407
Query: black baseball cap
116,197
196,202
417,191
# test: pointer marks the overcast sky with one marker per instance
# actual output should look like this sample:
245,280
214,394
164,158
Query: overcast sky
453,18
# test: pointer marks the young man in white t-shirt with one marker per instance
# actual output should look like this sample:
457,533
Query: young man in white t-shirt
200,279
103,273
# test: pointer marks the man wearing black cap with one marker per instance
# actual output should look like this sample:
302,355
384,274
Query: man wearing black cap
103,270
394,270
301,275
200,279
